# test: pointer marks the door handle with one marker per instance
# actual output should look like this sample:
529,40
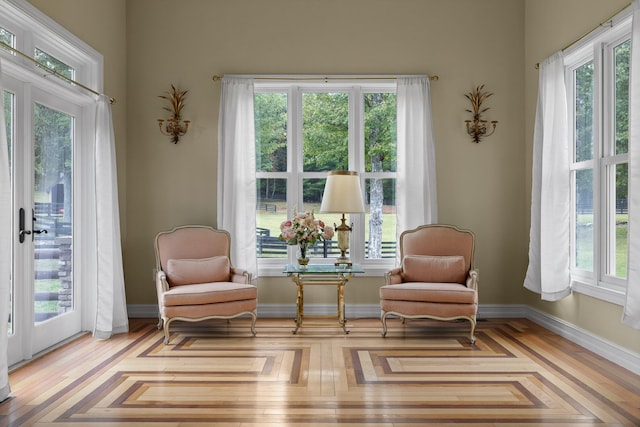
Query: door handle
21,224
33,225
22,232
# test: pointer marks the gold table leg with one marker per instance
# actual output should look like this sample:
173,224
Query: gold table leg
299,303
339,282
341,315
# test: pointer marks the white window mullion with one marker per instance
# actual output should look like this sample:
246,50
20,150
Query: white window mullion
356,162
295,145
356,131
599,236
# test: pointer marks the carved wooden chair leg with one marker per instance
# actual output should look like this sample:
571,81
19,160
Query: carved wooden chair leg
383,319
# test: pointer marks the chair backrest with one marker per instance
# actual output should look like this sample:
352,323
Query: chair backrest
191,242
438,240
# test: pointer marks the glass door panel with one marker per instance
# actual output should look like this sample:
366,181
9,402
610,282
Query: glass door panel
52,219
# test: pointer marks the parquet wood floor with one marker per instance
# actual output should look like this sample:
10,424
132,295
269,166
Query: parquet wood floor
423,374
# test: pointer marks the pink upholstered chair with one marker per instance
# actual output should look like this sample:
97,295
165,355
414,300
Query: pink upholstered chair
436,279
195,280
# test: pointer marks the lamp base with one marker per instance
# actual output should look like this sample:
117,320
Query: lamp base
343,261
343,231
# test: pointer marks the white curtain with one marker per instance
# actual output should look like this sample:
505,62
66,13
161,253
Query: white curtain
5,249
549,255
631,314
416,197
111,309
236,171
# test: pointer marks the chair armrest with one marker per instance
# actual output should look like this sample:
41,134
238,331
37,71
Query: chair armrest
393,277
472,280
239,275
161,281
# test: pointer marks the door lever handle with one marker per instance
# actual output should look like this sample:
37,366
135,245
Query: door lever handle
22,232
33,225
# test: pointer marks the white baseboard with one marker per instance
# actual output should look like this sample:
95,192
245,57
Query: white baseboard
352,310
511,311
602,347
142,311
355,311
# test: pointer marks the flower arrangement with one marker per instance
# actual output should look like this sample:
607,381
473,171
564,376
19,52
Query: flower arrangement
304,230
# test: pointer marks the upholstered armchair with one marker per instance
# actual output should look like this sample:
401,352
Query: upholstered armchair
195,280
436,278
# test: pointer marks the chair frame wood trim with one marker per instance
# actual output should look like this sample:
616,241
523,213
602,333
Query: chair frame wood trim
471,319
168,321
164,322
472,278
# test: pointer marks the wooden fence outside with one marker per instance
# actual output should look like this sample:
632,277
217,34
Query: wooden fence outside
271,247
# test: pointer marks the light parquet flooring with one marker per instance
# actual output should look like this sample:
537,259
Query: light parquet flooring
422,374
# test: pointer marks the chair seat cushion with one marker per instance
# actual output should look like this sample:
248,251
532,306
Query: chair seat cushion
453,293
425,268
208,293
193,271
221,309
429,309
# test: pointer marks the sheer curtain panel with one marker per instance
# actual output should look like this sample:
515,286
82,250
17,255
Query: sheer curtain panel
111,310
236,171
416,201
5,248
548,273
631,314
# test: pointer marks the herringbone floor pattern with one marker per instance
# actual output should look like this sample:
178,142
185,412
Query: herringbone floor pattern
424,373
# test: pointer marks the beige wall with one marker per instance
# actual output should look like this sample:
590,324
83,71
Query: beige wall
187,42
550,26
483,186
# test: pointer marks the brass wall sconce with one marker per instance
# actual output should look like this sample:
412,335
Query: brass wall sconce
477,127
175,127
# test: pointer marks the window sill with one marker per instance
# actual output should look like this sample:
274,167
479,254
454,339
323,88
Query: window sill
599,292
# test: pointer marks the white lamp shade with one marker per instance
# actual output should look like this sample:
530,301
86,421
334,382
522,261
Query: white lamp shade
342,193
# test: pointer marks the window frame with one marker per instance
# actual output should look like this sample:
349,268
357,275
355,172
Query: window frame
295,174
597,47
33,29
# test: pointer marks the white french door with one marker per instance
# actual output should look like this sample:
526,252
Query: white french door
45,300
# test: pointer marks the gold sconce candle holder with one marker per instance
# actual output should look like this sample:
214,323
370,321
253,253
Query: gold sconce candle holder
479,128
174,126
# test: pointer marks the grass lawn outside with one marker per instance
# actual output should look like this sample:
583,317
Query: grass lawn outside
272,220
584,243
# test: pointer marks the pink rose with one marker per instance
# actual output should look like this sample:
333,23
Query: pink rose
328,232
288,234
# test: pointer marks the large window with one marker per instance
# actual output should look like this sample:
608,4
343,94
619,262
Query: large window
302,132
598,87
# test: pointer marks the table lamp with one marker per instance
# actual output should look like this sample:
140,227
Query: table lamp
342,194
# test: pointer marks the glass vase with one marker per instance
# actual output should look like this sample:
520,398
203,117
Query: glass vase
302,254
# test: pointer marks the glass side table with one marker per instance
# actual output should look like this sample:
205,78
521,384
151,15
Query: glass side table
321,274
